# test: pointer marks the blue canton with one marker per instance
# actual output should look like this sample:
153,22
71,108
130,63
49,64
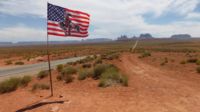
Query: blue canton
55,13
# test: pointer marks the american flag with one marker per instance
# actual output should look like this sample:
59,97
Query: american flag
67,22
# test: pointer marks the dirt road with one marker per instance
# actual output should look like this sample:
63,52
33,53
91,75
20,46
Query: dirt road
33,68
159,90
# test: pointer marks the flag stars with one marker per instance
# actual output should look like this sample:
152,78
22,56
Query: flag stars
55,13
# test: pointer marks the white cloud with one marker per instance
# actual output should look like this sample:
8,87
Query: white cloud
184,6
193,16
22,7
111,18
22,32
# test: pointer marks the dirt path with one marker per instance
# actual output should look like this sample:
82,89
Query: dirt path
159,90
150,89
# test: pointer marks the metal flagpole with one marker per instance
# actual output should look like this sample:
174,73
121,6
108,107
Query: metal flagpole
49,64
48,56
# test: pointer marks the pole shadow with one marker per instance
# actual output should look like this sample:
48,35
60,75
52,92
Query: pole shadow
37,105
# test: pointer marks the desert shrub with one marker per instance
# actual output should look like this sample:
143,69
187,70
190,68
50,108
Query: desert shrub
13,83
25,80
72,63
98,61
80,61
198,69
165,61
103,56
183,62
111,77
111,73
19,63
84,73
109,56
95,56
112,56
105,82
8,62
87,65
59,77
192,60
124,80
88,59
99,69
67,78
60,67
42,74
69,70
9,85
66,74
40,86
85,60
198,62
145,54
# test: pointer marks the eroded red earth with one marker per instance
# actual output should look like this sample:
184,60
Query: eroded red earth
152,88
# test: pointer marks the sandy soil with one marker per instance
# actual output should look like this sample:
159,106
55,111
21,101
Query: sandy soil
34,60
152,88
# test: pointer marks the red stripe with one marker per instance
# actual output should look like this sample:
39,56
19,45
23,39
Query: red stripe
54,24
57,25
80,21
75,16
56,34
54,29
78,12
85,26
74,35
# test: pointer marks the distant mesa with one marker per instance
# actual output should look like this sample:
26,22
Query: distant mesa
181,36
146,36
123,38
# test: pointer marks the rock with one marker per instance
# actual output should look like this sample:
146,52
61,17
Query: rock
55,109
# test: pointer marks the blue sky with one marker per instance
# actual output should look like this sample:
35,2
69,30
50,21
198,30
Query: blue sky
25,20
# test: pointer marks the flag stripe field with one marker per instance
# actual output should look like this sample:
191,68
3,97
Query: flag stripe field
79,22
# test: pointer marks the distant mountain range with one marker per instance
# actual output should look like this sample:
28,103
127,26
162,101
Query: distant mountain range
145,36
181,36
148,36
98,40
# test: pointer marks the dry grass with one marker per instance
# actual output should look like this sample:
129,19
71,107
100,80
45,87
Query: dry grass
29,52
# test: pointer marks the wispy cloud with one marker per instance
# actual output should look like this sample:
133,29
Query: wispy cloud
110,18
23,7
21,32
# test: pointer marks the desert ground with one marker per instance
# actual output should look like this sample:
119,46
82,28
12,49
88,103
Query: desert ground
164,81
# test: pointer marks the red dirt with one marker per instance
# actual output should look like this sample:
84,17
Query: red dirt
152,88
34,60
